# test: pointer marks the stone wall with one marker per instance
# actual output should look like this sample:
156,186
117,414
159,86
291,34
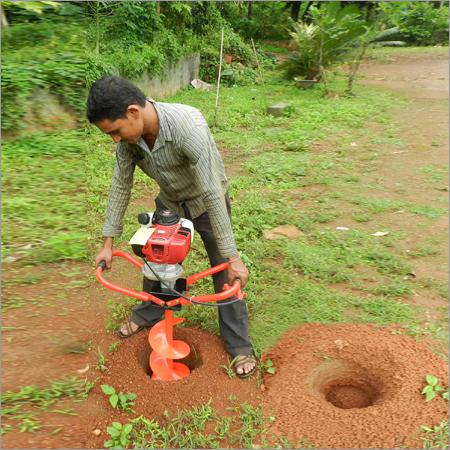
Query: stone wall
177,76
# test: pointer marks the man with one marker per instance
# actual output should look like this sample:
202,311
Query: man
172,144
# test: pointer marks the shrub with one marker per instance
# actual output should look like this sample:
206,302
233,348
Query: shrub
418,22
423,24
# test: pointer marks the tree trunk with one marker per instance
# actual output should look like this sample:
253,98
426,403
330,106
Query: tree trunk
4,20
249,9
295,10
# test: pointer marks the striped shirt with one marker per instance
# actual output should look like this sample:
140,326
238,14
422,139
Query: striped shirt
187,166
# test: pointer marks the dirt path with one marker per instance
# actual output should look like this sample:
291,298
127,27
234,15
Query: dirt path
417,170
60,331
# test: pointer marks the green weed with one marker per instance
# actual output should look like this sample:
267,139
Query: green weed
440,287
101,361
119,400
198,427
395,288
427,211
114,346
420,252
23,280
43,201
267,367
252,425
436,437
119,311
120,435
361,217
229,367
432,388
376,206
36,399
435,174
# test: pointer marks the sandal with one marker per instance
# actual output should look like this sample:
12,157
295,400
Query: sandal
129,328
240,361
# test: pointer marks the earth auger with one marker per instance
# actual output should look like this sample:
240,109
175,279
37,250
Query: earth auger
163,242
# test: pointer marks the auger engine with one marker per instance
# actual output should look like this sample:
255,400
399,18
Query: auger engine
163,241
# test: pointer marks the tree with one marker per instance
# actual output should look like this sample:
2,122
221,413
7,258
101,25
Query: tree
4,21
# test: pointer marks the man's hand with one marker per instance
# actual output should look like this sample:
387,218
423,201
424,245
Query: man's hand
106,253
237,269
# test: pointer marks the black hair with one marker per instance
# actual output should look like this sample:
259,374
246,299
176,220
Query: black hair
109,98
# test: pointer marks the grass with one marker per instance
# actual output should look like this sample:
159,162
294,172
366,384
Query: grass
436,437
20,408
388,54
435,174
202,427
43,184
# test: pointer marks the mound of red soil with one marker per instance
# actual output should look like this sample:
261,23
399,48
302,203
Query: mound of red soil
129,372
352,386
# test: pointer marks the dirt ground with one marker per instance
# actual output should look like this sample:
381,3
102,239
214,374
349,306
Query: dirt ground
367,394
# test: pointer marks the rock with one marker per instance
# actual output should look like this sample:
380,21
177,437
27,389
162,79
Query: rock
97,432
84,370
10,259
278,109
380,233
304,84
203,86
284,231
340,344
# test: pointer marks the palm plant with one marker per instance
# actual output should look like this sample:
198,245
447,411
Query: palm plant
331,38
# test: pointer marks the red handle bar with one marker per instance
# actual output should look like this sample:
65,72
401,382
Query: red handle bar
228,291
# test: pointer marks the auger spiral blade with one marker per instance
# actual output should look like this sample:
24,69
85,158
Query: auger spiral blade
166,369
165,350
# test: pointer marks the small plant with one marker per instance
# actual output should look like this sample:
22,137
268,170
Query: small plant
229,368
114,346
29,424
435,437
267,366
120,435
122,401
101,361
432,388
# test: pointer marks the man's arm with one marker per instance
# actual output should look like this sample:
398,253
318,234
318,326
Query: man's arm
119,197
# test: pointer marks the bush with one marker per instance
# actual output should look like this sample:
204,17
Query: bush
423,24
58,65
419,23
233,45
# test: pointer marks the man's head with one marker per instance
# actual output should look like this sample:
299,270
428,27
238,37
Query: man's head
116,107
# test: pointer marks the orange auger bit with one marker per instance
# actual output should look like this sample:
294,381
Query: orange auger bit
165,348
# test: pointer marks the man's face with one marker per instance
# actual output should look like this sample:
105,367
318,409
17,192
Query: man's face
127,129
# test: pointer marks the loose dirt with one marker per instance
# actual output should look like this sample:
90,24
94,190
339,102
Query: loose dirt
129,371
351,386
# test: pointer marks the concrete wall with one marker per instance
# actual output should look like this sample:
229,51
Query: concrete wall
177,76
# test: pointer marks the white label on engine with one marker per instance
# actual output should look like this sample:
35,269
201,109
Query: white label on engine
141,236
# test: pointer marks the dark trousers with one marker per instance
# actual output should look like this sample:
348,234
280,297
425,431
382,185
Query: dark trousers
233,319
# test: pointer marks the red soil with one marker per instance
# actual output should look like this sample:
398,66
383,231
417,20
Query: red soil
352,386
128,372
